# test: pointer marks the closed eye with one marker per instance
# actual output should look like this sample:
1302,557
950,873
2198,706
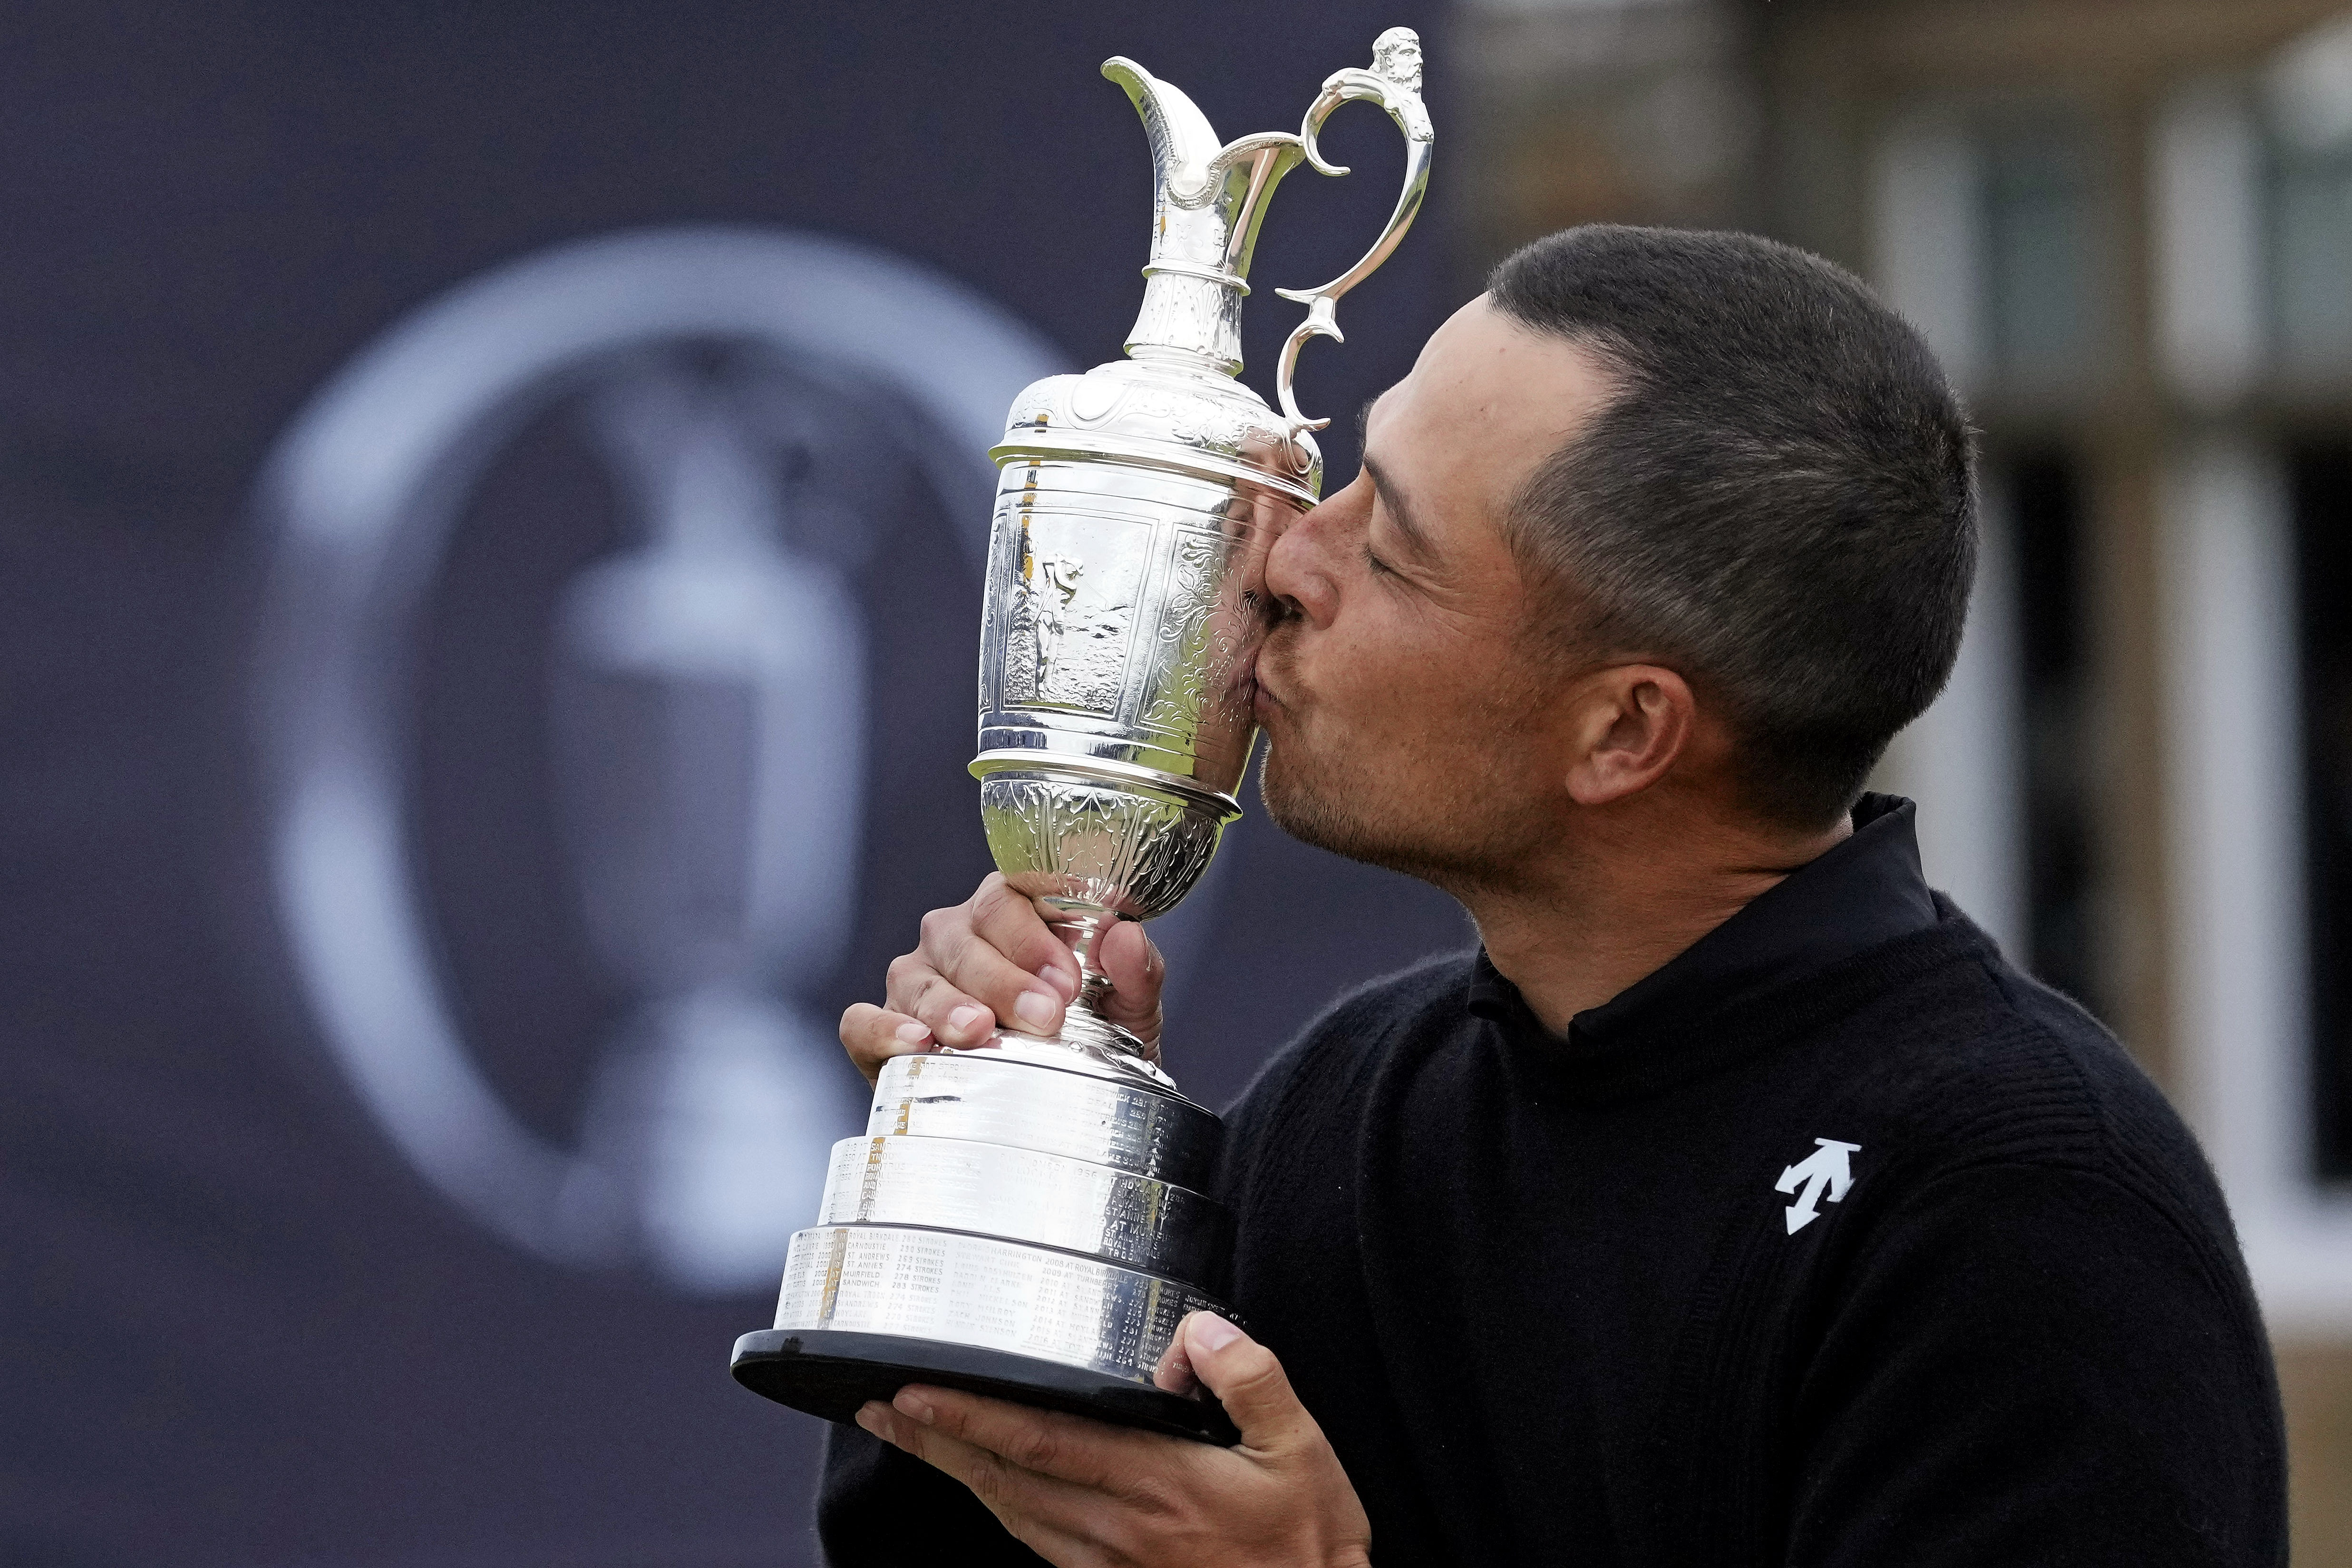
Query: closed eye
1378,567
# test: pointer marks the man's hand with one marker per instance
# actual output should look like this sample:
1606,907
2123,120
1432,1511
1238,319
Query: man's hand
1082,1494
994,958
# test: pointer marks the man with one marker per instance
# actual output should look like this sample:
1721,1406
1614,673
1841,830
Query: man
1737,1202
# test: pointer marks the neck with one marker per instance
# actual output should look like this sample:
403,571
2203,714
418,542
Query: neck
1625,897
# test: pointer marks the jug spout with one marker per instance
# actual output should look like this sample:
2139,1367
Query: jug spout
1208,200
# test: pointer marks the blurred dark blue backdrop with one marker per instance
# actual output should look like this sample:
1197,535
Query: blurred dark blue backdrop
242,1326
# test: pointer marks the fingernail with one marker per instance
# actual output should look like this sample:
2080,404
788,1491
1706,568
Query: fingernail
874,1417
965,1020
913,1404
914,1034
1036,1009
1061,979
1211,1332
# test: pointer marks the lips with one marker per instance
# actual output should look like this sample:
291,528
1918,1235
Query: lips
1263,703
1243,683
1266,677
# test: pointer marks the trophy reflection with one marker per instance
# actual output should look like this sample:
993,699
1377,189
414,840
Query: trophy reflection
1029,1217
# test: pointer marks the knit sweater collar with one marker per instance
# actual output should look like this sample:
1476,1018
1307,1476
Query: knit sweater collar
1801,938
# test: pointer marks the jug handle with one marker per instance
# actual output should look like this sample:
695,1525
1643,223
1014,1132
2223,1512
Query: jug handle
1394,83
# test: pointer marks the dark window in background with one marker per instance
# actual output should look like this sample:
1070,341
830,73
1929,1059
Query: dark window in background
2322,494
2310,212
2041,286
2047,328
2044,514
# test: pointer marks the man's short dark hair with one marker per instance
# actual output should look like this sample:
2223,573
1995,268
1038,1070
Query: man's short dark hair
1779,501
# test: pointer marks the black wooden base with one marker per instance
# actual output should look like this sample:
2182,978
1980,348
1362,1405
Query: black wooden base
831,1373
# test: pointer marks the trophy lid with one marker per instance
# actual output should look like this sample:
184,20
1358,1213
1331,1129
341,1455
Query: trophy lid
1210,197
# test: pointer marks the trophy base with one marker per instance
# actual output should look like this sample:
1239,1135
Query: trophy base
831,1372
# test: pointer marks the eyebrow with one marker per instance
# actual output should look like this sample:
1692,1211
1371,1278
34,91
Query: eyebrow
1416,538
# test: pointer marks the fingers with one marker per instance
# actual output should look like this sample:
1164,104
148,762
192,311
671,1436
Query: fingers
1249,1382
917,991
1010,925
1138,974
874,1034
1048,1514
989,960
1069,1448
1174,1372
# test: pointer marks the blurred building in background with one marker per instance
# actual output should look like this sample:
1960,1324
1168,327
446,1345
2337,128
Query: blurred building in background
2126,227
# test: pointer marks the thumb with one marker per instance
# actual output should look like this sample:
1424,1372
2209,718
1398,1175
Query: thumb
1249,1383
1137,973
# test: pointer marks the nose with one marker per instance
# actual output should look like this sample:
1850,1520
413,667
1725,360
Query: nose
1303,569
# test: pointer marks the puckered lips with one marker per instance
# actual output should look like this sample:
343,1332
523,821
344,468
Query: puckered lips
1263,703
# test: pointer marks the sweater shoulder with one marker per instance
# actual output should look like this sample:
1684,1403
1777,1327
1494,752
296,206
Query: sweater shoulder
1980,1065
1323,1066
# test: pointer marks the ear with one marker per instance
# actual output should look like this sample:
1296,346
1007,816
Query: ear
1628,724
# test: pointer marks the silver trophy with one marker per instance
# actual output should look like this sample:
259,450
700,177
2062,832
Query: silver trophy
1027,1217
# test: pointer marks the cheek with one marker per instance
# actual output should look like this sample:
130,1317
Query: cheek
1400,674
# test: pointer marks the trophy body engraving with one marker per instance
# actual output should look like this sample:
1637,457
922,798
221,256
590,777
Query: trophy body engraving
1028,1218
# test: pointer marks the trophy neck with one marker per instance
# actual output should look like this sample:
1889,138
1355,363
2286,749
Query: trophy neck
1208,199
1189,319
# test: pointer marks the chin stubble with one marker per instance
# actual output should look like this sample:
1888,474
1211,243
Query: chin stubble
1316,816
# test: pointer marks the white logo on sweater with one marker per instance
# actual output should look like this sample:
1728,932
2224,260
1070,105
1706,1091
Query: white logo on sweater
1823,1174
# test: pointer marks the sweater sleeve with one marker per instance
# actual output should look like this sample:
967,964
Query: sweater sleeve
2035,1364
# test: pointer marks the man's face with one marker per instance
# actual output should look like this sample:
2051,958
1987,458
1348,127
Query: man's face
1402,701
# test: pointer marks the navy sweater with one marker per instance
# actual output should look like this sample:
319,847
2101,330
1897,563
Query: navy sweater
1835,1241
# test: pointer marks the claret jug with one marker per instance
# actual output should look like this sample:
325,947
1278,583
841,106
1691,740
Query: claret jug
1029,1217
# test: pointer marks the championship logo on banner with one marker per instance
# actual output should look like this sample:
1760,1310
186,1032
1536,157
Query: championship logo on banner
708,715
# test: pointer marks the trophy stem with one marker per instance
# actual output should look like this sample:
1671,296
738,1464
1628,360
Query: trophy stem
1083,1025
1082,930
